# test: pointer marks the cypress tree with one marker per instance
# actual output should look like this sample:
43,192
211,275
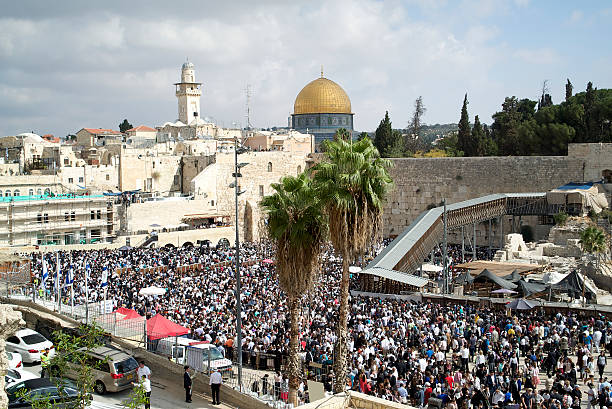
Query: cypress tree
569,89
385,140
478,138
464,136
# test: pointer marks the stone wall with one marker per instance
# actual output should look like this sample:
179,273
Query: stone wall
263,169
191,167
422,183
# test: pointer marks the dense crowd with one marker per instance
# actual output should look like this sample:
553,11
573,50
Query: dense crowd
403,351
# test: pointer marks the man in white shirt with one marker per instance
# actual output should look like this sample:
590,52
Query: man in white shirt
145,383
143,370
215,385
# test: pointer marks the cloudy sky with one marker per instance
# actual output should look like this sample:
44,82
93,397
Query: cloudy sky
73,64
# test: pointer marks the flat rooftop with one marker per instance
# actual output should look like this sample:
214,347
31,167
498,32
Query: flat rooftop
499,268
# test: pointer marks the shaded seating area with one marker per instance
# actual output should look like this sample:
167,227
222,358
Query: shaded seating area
486,282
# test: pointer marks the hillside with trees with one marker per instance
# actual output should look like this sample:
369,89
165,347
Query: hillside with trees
523,127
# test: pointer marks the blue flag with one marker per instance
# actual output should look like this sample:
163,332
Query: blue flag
70,276
104,277
45,271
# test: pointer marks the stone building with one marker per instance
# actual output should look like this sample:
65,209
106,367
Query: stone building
56,219
88,137
291,141
188,92
321,108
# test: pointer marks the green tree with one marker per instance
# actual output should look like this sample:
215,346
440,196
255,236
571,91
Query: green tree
72,351
354,183
569,89
464,135
413,140
478,137
125,126
343,134
298,226
593,240
450,145
386,141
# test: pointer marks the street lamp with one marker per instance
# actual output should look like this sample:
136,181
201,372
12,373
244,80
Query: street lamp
237,192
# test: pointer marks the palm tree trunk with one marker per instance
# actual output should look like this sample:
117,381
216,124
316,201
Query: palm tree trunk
342,341
294,357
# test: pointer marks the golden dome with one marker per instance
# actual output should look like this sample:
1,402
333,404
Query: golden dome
322,96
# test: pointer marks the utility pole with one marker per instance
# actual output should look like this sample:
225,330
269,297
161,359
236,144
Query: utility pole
237,192
445,250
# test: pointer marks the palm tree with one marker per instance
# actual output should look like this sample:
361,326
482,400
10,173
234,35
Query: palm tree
593,240
354,182
298,226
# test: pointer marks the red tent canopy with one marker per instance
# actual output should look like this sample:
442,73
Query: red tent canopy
159,327
128,313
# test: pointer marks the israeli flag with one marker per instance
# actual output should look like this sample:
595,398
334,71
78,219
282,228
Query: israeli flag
58,272
104,277
45,271
70,277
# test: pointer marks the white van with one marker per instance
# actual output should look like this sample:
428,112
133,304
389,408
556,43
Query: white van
183,351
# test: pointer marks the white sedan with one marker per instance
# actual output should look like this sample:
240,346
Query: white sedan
14,359
29,344
15,376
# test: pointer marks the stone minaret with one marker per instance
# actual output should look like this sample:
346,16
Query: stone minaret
188,93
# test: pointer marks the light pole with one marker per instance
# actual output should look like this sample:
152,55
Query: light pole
237,192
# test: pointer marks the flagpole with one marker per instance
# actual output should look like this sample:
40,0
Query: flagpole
71,278
57,281
86,295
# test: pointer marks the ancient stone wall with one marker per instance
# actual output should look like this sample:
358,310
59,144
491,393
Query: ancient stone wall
263,169
422,183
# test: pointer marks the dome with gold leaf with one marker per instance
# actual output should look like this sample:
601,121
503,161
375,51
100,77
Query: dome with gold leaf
322,96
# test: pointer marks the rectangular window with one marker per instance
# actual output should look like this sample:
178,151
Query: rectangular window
261,190
99,214
66,161
80,179
70,180
66,217
72,216
107,177
93,215
46,217
39,218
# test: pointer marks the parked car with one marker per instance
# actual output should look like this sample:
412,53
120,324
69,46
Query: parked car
41,389
113,369
16,375
29,344
14,359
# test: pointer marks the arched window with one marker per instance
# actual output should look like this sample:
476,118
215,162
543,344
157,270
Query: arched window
7,193
16,193
39,192
0,193
299,169
31,192
269,166
47,191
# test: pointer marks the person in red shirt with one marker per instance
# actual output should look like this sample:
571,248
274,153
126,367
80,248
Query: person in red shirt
449,380
428,392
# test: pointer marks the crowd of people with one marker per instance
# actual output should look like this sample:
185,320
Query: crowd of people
413,353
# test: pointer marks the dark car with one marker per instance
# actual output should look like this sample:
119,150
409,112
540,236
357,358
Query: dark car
41,389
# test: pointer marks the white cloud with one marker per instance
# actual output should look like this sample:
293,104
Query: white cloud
100,66
537,56
576,16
